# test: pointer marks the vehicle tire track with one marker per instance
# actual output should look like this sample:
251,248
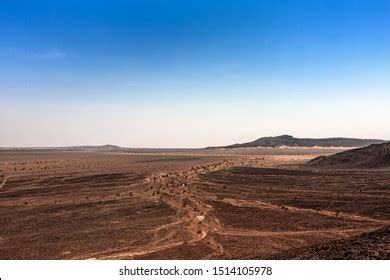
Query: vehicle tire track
4,181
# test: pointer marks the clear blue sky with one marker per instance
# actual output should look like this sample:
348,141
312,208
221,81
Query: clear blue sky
174,73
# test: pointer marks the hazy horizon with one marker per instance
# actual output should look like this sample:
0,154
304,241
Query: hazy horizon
155,74
130,147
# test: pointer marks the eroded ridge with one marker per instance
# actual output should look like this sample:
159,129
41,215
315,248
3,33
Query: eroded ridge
194,218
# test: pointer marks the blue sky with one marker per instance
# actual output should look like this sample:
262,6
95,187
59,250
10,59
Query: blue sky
192,73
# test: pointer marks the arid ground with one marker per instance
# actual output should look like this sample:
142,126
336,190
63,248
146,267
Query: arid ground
190,204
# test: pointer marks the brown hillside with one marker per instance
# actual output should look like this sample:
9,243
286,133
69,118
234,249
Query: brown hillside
377,155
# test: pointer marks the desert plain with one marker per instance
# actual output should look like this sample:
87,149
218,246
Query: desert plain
190,204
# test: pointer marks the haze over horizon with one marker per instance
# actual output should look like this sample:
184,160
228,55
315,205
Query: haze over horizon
192,73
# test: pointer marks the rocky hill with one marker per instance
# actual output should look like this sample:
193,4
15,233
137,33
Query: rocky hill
288,140
377,155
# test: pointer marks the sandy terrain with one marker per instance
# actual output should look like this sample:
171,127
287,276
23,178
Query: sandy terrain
189,204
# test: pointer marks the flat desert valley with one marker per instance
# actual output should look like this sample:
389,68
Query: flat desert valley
190,204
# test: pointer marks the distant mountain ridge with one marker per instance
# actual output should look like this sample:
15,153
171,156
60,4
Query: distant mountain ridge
290,141
106,147
377,155
94,148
